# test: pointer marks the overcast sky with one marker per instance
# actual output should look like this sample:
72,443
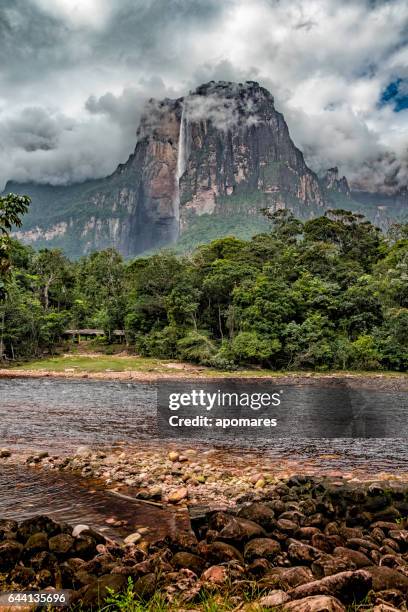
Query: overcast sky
74,75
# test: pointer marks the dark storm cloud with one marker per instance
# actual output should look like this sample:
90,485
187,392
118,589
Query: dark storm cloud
31,42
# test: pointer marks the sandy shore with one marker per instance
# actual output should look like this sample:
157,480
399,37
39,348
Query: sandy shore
381,381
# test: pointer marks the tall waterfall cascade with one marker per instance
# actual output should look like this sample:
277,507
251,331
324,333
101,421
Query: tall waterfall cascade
182,158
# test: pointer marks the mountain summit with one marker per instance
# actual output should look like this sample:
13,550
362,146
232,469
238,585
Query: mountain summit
218,156
220,150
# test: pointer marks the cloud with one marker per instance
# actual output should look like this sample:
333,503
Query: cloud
76,75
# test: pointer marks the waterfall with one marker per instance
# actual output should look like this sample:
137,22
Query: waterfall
182,156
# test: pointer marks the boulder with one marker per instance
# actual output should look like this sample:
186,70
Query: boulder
349,587
178,495
36,542
133,538
35,525
286,526
78,529
221,551
61,544
299,552
216,574
319,603
261,548
356,557
259,513
145,586
273,599
188,560
327,566
387,578
286,577
96,592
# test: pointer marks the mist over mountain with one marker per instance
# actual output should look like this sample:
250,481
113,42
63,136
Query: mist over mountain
204,165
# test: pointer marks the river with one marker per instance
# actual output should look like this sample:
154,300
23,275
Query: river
58,415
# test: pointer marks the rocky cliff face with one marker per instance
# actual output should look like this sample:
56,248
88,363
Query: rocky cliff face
332,182
234,143
223,150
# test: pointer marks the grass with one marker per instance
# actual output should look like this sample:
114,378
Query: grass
96,357
206,601
100,363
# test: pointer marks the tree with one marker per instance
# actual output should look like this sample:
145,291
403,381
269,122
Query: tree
12,208
55,277
355,237
285,226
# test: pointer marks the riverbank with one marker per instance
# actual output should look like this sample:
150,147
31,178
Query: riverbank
126,367
169,475
307,545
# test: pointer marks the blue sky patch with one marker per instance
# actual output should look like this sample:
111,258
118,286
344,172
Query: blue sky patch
396,93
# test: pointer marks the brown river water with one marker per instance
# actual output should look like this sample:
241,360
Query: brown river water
58,415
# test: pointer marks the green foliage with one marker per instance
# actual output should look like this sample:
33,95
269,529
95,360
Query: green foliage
12,208
250,347
196,346
330,293
365,354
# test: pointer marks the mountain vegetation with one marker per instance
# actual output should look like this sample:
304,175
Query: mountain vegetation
327,293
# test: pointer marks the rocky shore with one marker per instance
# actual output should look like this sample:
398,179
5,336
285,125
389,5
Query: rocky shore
307,544
199,476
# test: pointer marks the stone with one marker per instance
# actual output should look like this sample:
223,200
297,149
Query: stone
10,553
387,578
145,586
349,587
133,538
23,576
287,577
216,574
37,524
83,451
356,557
319,603
98,590
287,526
5,453
259,567
36,542
261,548
259,513
327,566
260,483
173,456
7,526
61,544
84,546
221,551
273,599
302,553
178,495
78,529
235,529
306,533
188,560
326,543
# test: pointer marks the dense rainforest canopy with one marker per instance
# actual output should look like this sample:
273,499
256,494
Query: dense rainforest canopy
329,293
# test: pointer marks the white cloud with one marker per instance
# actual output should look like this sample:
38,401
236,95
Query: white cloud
78,13
96,62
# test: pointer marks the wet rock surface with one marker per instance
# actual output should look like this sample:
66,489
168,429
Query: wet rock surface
316,548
